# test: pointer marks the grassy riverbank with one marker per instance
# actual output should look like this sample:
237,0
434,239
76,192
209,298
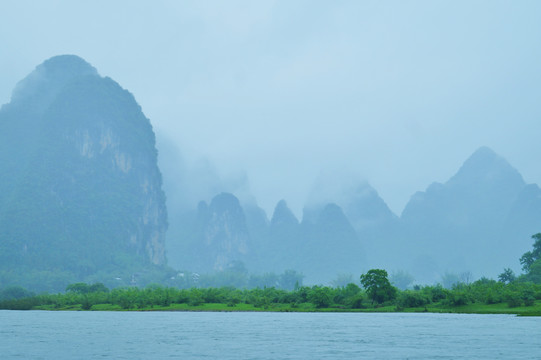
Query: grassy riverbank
484,296
502,308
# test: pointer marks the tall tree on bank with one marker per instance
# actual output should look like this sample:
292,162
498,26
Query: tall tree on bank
377,286
531,261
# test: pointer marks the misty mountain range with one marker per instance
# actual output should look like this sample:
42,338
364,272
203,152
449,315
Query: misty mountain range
478,222
81,199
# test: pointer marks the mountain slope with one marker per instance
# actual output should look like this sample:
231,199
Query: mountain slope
458,226
84,192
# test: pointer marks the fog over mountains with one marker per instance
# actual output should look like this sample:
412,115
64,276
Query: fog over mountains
476,223
81,199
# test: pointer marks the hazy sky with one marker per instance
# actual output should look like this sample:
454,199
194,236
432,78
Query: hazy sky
398,92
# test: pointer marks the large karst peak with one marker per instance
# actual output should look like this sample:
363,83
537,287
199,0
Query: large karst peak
485,166
84,192
49,78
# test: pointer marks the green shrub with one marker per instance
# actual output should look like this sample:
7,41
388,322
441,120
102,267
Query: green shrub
529,301
355,301
409,299
436,293
512,298
458,298
320,296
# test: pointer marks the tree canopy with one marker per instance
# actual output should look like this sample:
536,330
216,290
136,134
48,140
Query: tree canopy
377,286
530,257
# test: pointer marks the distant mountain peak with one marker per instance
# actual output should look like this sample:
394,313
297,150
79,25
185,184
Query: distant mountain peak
484,156
486,166
225,202
283,215
484,151
333,213
49,78
72,64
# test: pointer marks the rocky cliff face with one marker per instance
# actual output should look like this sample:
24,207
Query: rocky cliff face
217,237
225,230
84,192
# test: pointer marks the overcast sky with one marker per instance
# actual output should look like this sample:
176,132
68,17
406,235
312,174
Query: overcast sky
398,92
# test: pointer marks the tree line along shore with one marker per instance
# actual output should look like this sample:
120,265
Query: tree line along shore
509,295
482,296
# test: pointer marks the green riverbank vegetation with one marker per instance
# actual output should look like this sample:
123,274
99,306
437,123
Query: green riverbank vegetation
482,296
509,295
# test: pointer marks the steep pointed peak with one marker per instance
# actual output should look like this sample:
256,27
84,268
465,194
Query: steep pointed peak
283,214
485,183
281,205
485,165
365,203
483,154
333,218
332,212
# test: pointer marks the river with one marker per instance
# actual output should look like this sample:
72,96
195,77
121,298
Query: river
237,335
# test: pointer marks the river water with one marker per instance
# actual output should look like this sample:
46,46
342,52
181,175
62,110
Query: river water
234,335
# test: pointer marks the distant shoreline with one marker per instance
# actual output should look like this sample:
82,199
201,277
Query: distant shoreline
479,309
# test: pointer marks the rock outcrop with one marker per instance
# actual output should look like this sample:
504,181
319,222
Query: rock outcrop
81,192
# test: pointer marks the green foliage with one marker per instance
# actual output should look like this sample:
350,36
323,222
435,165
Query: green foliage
513,299
353,296
355,301
507,276
320,296
478,296
436,293
98,287
14,293
531,257
534,273
349,296
458,297
412,299
80,288
487,291
20,304
377,286
195,297
233,298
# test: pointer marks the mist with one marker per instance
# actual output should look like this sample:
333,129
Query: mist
282,91
358,104
207,178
